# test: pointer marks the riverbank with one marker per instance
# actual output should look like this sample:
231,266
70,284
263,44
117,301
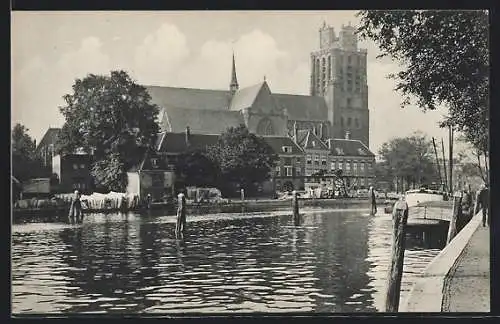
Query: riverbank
458,279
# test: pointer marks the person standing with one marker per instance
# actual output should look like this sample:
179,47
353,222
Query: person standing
373,201
483,203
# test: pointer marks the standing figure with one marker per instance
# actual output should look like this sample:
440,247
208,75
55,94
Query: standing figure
75,210
483,203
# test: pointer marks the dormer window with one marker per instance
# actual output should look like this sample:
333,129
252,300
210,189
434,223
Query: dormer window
154,163
313,143
361,151
287,149
339,151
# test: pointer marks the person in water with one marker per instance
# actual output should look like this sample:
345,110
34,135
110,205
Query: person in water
75,210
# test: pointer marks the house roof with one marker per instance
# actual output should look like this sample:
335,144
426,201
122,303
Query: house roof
345,147
147,164
301,107
202,99
278,142
308,140
176,142
245,97
200,121
50,137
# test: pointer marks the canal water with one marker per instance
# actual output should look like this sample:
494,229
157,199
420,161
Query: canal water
335,261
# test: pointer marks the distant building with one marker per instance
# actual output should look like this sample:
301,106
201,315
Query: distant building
46,149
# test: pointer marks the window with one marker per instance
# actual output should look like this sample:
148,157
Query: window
288,161
332,165
362,181
348,166
356,122
82,166
355,166
287,149
297,171
288,171
341,165
154,163
298,161
323,160
349,101
362,166
316,159
349,120
278,171
75,166
309,159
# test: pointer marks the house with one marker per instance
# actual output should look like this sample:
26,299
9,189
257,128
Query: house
354,159
73,172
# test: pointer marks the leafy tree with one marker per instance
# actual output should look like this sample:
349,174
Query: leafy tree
445,60
409,160
25,164
197,169
113,118
244,158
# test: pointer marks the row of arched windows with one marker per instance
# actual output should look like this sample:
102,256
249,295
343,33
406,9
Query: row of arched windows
350,122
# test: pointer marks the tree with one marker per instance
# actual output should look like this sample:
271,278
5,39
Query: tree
25,164
445,58
113,118
244,158
409,160
197,169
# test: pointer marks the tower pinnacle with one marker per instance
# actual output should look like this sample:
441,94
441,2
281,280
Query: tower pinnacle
233,86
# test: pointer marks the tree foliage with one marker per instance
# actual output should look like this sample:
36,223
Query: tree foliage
196,168
446,61
244,158
408,158
112,117
25,164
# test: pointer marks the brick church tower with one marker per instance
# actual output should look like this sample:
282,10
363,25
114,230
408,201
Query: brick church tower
338,73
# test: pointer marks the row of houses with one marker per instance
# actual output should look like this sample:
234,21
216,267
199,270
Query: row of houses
305,162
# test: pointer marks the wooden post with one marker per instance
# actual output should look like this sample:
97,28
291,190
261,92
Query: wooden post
457,213
373,201
181,216
399,219
295,204
242,191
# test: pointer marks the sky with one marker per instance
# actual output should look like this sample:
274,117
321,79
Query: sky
189,49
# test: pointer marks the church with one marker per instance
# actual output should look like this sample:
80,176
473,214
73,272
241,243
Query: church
337,106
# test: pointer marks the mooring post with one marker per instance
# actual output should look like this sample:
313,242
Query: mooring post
373,202
242,191
295,204
457,213
181,215
399,220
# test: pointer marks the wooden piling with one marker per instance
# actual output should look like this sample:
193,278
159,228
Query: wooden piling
399,220
242,191
373,202
295,204
457,213
181,215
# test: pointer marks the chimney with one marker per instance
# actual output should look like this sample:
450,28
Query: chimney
188,135
347,135
321,131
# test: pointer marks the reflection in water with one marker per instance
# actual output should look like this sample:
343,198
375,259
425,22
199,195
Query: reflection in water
335,261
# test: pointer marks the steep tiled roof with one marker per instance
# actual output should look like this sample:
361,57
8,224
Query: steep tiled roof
202,99
278,142
344,147
245,97
176,142
50,137
303,107
307,140
201,121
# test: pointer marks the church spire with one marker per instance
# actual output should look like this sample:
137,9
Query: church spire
233,86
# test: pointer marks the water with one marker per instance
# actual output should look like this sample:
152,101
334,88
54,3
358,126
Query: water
336,261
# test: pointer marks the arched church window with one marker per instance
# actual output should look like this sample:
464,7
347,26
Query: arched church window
349,120
265,127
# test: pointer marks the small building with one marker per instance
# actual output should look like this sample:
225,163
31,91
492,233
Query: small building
354,159
151,176
73,172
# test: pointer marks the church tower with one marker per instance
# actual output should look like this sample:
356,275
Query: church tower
338,73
